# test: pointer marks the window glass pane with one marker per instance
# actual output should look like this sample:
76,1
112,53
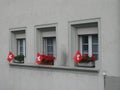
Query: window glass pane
94,38
49,46
85,39
21,46
94,48
95,45
50,53
84,44
50,49
85,49
49,41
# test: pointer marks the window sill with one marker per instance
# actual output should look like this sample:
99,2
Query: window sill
56,67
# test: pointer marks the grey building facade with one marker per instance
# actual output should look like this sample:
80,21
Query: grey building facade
60,28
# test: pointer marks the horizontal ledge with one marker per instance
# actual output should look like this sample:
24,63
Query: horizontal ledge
56,67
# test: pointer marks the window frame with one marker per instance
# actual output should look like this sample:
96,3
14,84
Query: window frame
73,39
24,46
39,42
14,34
90,44
45,45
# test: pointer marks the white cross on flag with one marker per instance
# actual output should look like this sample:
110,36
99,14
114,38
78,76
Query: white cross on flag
39,58
77,57
10,57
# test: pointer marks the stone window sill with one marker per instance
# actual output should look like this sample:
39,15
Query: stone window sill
56,67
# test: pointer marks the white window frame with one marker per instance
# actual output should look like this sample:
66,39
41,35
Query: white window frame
90,47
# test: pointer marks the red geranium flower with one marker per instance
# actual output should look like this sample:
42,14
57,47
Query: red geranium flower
85,57
93,57
44,56
51,57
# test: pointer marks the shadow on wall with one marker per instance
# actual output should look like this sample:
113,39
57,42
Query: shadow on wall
64,56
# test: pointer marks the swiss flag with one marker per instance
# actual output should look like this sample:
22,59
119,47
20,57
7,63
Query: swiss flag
77,57
10,57
39,58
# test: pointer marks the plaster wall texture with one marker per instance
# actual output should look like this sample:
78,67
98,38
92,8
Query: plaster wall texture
29,13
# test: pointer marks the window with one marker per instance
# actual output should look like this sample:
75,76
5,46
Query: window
49,46
89,44
83,36
21,49
46,43
18,44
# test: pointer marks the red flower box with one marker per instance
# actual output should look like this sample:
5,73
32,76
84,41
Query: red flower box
87,58
47,60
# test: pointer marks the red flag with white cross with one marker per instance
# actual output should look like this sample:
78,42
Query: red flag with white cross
77,57
39,58
10,57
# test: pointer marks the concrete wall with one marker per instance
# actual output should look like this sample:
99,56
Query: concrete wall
28,13
112,83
